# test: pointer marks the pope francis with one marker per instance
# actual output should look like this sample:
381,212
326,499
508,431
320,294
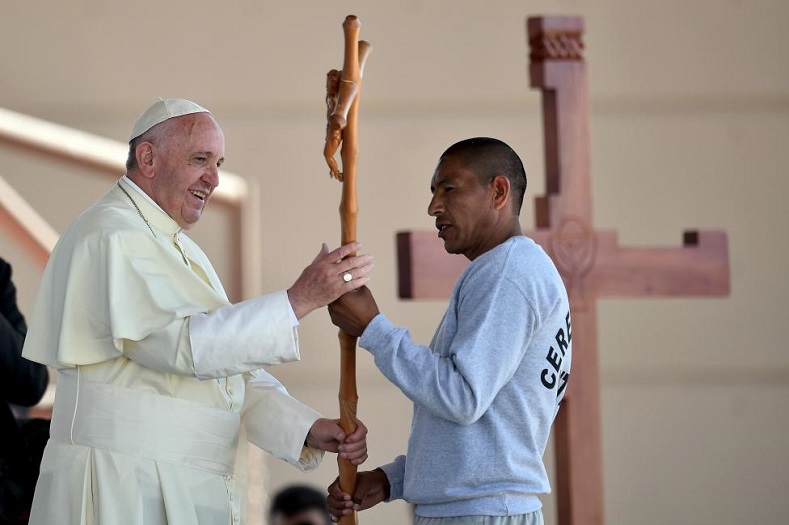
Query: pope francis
160,378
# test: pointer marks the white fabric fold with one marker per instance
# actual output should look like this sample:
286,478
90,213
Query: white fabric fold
267,406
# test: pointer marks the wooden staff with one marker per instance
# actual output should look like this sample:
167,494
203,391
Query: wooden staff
343,89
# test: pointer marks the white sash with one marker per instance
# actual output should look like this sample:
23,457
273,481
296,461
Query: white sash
143,424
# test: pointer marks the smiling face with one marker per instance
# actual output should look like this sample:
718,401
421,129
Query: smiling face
466,209
183,168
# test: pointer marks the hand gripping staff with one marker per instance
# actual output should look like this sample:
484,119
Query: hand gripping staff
343,89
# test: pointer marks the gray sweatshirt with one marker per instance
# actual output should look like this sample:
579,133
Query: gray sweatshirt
485,391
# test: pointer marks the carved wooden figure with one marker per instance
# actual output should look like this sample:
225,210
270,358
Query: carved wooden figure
343,90
591,262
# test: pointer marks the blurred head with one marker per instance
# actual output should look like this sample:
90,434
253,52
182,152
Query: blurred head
176,162
478,189
299,505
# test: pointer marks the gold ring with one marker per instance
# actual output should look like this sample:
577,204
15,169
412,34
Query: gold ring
347,277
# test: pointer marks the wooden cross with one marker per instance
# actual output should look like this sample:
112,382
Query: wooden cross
591,262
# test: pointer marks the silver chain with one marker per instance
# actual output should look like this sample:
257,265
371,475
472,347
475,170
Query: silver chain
136,208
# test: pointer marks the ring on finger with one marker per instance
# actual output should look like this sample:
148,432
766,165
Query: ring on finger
347,277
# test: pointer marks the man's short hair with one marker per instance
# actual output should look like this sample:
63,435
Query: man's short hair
488,157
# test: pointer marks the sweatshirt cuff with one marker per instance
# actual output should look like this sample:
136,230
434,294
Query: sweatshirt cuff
375,333
395,473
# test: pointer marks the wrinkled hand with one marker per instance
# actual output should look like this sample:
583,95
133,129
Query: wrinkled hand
322,281
353,311
327,434
372,488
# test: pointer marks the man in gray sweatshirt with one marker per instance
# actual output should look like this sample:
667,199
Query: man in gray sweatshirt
488,386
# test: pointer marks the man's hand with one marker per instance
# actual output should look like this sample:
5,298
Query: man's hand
328,435
372,488
324,279
353,311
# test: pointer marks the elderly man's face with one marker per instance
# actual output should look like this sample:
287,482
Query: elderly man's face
306,517
187,167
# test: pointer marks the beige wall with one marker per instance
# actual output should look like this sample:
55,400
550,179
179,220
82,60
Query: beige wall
689,104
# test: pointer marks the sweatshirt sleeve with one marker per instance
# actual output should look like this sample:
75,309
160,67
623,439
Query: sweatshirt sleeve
395,473
459,381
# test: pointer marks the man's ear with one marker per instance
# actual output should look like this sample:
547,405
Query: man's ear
501,191
144,155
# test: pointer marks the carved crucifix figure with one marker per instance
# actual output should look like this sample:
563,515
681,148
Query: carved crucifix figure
591,262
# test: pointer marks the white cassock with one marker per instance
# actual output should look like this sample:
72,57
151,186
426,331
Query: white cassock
160,377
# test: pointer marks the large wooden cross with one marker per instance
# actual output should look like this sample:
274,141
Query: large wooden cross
592,263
